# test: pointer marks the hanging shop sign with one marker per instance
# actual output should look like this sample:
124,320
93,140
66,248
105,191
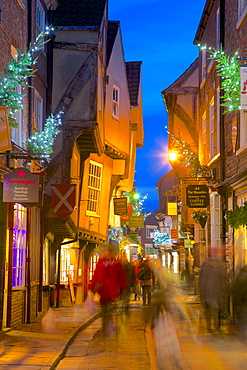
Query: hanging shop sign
21,186
63,200
172,208
5,140
120,206
174,233
197,196
136,221
243,87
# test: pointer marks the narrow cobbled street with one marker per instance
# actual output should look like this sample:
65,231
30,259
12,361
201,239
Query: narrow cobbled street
132,346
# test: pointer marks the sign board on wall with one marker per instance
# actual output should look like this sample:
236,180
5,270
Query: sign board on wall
21,186
120,206
136,221
172,208
243,87
197,196
63,200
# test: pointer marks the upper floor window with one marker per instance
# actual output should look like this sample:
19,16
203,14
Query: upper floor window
115,101
40,18
150,231
242,4
203,66
16,132
218,119
212,130
19,245
243,130
94,186
217,44
204,138
242,10
38,111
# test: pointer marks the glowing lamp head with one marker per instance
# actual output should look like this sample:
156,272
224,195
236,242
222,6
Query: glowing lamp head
172,156
136,196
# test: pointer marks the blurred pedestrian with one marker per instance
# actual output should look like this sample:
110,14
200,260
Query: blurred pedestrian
130,277
137,282
146,279
240,301
213,290
109,281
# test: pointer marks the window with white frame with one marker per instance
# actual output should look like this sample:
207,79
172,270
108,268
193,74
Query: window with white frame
16,132
217,29
38,111
204,138
218,120
19,245
94,186
115,101
150,231
40,18
204,65
243,129
212,130
242,7
66,267
92,264
215,219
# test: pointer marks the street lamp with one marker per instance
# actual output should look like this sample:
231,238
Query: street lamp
172,156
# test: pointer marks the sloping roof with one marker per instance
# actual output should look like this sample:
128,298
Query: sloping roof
112,30
79,13
133,70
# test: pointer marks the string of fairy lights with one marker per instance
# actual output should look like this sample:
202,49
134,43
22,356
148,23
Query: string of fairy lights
41,143
19,68
228,69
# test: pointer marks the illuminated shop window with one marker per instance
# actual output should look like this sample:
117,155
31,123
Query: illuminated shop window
92,265
94,186
115,101
19,245
66,268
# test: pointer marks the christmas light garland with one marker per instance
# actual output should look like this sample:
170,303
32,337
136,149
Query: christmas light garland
187,158
41,143
18,70
160,238
228,69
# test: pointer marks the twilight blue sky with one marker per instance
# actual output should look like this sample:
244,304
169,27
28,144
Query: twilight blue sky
160,33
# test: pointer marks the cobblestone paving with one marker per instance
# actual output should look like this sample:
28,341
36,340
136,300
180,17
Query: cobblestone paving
125,350
132,347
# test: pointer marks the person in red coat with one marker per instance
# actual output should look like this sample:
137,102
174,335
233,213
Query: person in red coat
109,281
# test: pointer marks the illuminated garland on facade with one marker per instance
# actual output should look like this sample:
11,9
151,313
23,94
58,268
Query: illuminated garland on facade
187,158
18,70
41,143
160,238
229,70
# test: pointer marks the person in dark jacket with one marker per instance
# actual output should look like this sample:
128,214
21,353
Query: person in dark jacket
146,282
213,290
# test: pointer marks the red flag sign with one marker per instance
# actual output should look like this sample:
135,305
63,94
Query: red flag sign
63,200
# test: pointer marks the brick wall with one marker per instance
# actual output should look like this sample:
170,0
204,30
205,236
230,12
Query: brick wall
18,307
